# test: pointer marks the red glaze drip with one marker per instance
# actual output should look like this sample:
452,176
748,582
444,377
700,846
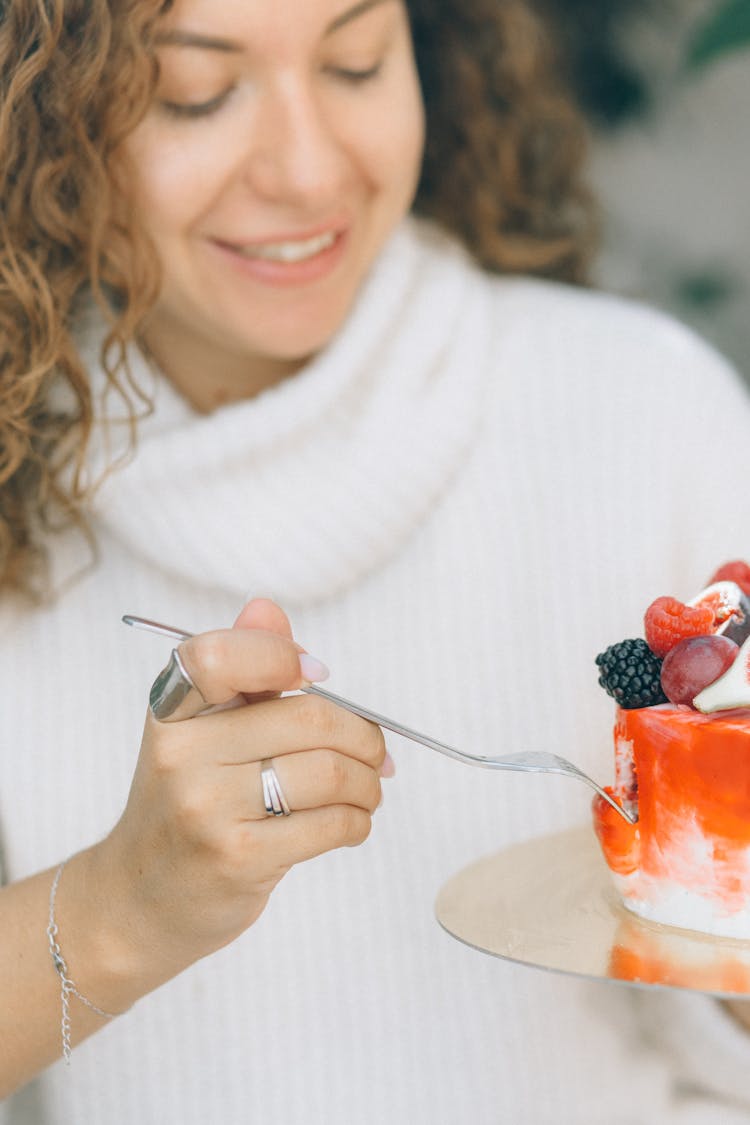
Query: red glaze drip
619,840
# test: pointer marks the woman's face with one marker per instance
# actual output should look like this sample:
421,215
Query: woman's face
283,146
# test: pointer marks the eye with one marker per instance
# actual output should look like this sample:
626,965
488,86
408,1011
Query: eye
196,109
356,77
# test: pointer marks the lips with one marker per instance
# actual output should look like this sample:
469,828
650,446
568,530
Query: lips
294,243
289,258
288,250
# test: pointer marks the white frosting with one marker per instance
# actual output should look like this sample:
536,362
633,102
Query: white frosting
674,905
691,897
625,775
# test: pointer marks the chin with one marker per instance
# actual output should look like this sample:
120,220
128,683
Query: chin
294,340
283,350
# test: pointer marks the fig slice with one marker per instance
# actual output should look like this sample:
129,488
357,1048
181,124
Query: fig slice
732,689
731,608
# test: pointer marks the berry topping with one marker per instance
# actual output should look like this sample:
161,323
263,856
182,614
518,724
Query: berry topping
693,664
736,571
668,621
732,689
630,673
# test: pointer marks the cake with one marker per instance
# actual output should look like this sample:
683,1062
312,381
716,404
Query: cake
682,761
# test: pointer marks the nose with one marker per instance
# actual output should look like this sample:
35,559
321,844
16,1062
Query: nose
295,154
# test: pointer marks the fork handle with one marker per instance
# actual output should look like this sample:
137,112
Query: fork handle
397,728
313,689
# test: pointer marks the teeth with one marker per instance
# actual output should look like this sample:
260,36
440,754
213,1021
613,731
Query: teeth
289,251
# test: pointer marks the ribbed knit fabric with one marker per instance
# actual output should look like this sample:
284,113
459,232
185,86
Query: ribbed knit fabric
359,450
475,489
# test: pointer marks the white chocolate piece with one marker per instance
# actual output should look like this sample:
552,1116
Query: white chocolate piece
732,689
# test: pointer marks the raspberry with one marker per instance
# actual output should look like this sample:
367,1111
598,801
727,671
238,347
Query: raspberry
631,674
668,621
736,571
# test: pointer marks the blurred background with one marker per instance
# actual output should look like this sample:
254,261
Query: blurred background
665,85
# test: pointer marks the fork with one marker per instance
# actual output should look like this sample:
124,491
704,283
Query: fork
529,761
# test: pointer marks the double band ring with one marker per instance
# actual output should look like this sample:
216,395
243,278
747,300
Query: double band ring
273,795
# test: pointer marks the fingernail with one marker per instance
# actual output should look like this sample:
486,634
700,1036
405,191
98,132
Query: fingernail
312,669
388,768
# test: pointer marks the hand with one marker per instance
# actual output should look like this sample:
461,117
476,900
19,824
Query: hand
194,857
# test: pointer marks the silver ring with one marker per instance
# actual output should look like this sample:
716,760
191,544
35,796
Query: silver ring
273,795
173,694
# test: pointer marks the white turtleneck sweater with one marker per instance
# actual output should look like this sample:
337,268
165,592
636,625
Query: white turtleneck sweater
477,487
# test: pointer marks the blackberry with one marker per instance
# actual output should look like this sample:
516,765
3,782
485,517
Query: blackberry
630,673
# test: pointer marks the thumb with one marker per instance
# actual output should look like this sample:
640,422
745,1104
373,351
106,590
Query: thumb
262,613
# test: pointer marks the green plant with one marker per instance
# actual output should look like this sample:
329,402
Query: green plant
728,29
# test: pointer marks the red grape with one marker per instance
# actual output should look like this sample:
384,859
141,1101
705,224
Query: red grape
693,664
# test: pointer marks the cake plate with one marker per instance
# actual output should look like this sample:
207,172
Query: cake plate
549,903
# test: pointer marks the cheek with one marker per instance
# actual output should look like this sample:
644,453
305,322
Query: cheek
175,180
412,141
403,137
390,145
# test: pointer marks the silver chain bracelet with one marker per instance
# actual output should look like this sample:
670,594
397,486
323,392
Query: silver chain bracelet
66,984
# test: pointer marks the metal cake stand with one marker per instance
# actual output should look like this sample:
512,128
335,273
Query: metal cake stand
550,904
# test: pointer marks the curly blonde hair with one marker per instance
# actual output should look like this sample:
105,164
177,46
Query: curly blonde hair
502,171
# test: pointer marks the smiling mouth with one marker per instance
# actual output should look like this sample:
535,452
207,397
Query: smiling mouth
288,251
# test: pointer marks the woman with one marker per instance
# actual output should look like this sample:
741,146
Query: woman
433,469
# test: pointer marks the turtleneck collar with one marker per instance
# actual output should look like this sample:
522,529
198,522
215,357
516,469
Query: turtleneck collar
300,492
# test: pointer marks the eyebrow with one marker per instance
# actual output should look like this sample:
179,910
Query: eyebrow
351,14
178,38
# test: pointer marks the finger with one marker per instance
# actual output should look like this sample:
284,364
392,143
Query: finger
228,662
308,780
306,834
173,695
285,726
262,613
200,672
